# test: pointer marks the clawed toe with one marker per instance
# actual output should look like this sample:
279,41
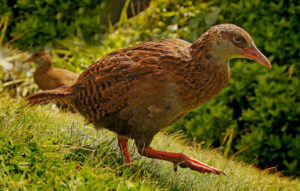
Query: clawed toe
200,167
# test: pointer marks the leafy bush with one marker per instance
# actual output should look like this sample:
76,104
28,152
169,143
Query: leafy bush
41,22
272,121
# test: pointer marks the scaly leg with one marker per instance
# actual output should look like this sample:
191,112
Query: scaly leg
123,147
180,159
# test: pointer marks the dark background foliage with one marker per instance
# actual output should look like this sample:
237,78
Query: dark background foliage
47,21
256,118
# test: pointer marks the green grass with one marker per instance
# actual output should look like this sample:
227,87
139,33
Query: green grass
43,149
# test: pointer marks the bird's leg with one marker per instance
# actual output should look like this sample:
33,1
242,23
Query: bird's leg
123,147
180,159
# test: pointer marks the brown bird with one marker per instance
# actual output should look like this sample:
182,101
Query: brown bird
47,76
137,91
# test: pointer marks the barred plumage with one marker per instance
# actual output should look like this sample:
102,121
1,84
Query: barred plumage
139,90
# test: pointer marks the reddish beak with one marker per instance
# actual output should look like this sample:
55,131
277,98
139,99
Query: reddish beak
254,54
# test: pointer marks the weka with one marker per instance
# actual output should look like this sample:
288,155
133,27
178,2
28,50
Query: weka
47,76
137,91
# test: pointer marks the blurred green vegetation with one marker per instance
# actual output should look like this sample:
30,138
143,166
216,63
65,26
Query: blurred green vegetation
44,22
256,118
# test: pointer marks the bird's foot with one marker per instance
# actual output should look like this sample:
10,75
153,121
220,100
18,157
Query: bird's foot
199,166
179,159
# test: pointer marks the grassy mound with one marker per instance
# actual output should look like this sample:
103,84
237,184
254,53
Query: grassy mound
42,148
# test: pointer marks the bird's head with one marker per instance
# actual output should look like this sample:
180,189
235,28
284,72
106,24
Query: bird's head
40,58
230,41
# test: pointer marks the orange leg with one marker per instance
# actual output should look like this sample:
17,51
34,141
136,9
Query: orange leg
124,149
180,159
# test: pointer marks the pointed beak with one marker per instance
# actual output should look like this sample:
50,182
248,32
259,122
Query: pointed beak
254,54
30,59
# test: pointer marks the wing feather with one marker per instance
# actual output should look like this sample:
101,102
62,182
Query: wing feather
104,88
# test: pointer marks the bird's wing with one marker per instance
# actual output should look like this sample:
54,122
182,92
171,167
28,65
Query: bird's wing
143,52
60,77
105,90
106,86
68,77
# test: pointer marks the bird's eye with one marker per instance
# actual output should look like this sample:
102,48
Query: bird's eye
237,39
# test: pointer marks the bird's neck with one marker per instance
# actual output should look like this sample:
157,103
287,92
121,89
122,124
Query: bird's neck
45,65
207,73
205,54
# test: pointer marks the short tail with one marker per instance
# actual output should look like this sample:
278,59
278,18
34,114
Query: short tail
55,95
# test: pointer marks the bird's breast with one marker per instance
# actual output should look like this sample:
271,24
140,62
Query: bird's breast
202,85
